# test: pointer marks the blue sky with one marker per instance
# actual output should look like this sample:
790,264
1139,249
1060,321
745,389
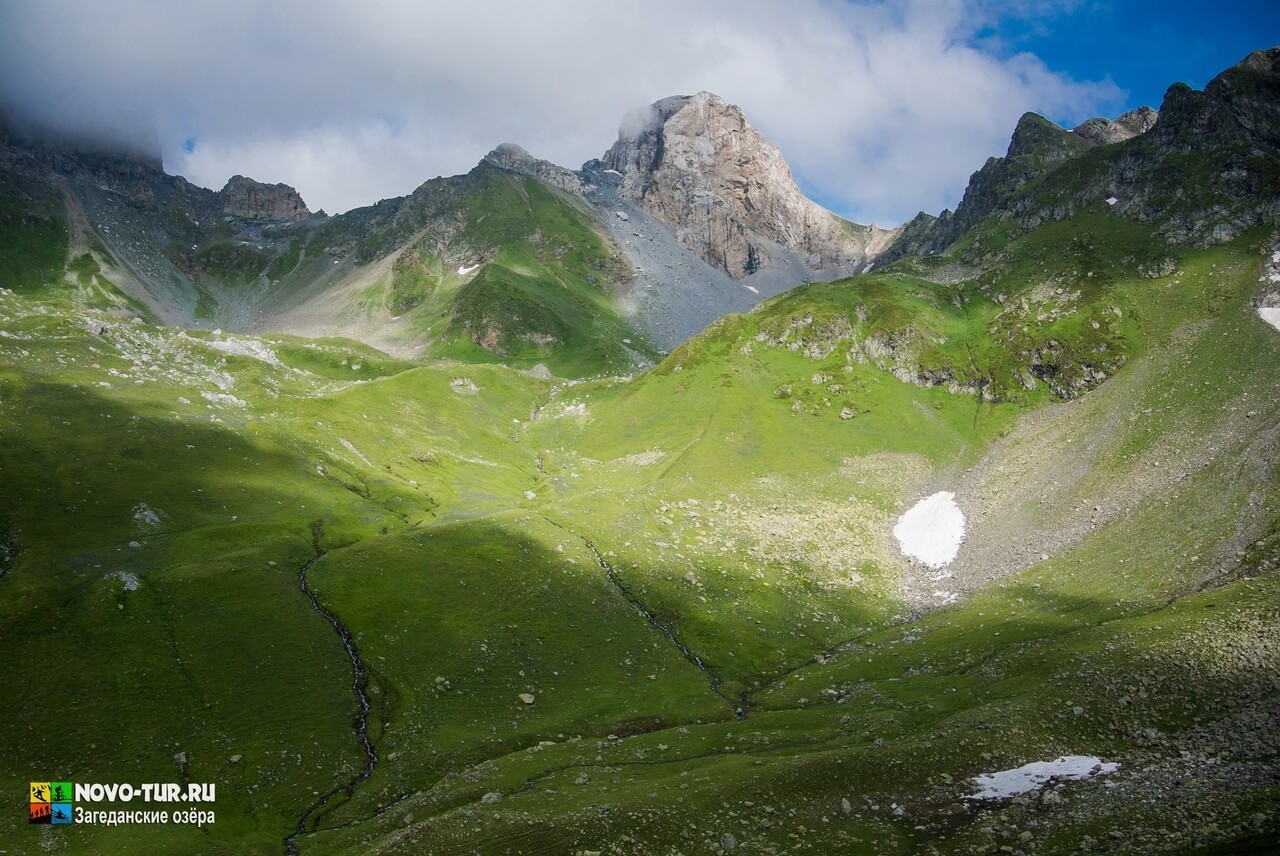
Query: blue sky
881,108
1144,47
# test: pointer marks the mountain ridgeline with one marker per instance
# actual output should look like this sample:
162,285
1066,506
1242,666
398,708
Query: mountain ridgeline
689,215
569,511
1202,171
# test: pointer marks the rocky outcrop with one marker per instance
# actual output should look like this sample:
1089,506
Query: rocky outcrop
1100,132
513,158
252,200
696,164
1137,121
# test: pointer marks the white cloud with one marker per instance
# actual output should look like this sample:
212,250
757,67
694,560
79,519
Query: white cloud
883,108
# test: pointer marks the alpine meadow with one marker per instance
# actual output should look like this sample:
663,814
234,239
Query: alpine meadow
650,507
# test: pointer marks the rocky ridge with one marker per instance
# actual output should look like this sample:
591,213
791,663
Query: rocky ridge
513,158
1102,131
253,200
1202,170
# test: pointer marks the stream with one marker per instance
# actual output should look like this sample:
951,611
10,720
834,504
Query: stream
740,706
359,685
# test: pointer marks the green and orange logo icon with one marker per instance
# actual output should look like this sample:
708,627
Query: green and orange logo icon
50,802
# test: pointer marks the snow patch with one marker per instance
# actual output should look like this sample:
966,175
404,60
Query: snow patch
1271,315
463,271
1033,776
1111,200
932,530
752,289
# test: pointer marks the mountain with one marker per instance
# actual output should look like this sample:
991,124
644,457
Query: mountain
486,266
708,214
1202,171
419,274
696,164
417,605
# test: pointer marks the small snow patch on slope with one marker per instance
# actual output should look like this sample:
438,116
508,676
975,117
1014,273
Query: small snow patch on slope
1271,315
932,530
464,270
1033,776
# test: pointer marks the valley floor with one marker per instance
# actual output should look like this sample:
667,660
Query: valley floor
449,608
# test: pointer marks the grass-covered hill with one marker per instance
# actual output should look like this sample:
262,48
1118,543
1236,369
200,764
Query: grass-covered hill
488,267
663,613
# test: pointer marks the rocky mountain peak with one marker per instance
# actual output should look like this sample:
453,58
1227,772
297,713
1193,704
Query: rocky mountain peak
514,158
1250,93
1264,61
1101,131
695,163
1036,136
1227,136
252,200
1139,120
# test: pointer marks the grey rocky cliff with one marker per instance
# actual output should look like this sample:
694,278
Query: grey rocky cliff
252,200
513,158
696,164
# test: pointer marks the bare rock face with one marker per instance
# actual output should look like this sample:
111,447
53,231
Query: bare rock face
252,200
513,158
696,164
1138,121
1129,125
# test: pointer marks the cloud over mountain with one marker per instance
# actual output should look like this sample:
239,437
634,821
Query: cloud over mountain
881,109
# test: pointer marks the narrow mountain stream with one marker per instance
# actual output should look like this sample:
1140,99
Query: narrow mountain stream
740,706
359,685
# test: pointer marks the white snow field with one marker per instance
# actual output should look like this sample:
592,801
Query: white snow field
1033,776
932,530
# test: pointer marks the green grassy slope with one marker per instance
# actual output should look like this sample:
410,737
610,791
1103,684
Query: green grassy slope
489,267
689,573
542,290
